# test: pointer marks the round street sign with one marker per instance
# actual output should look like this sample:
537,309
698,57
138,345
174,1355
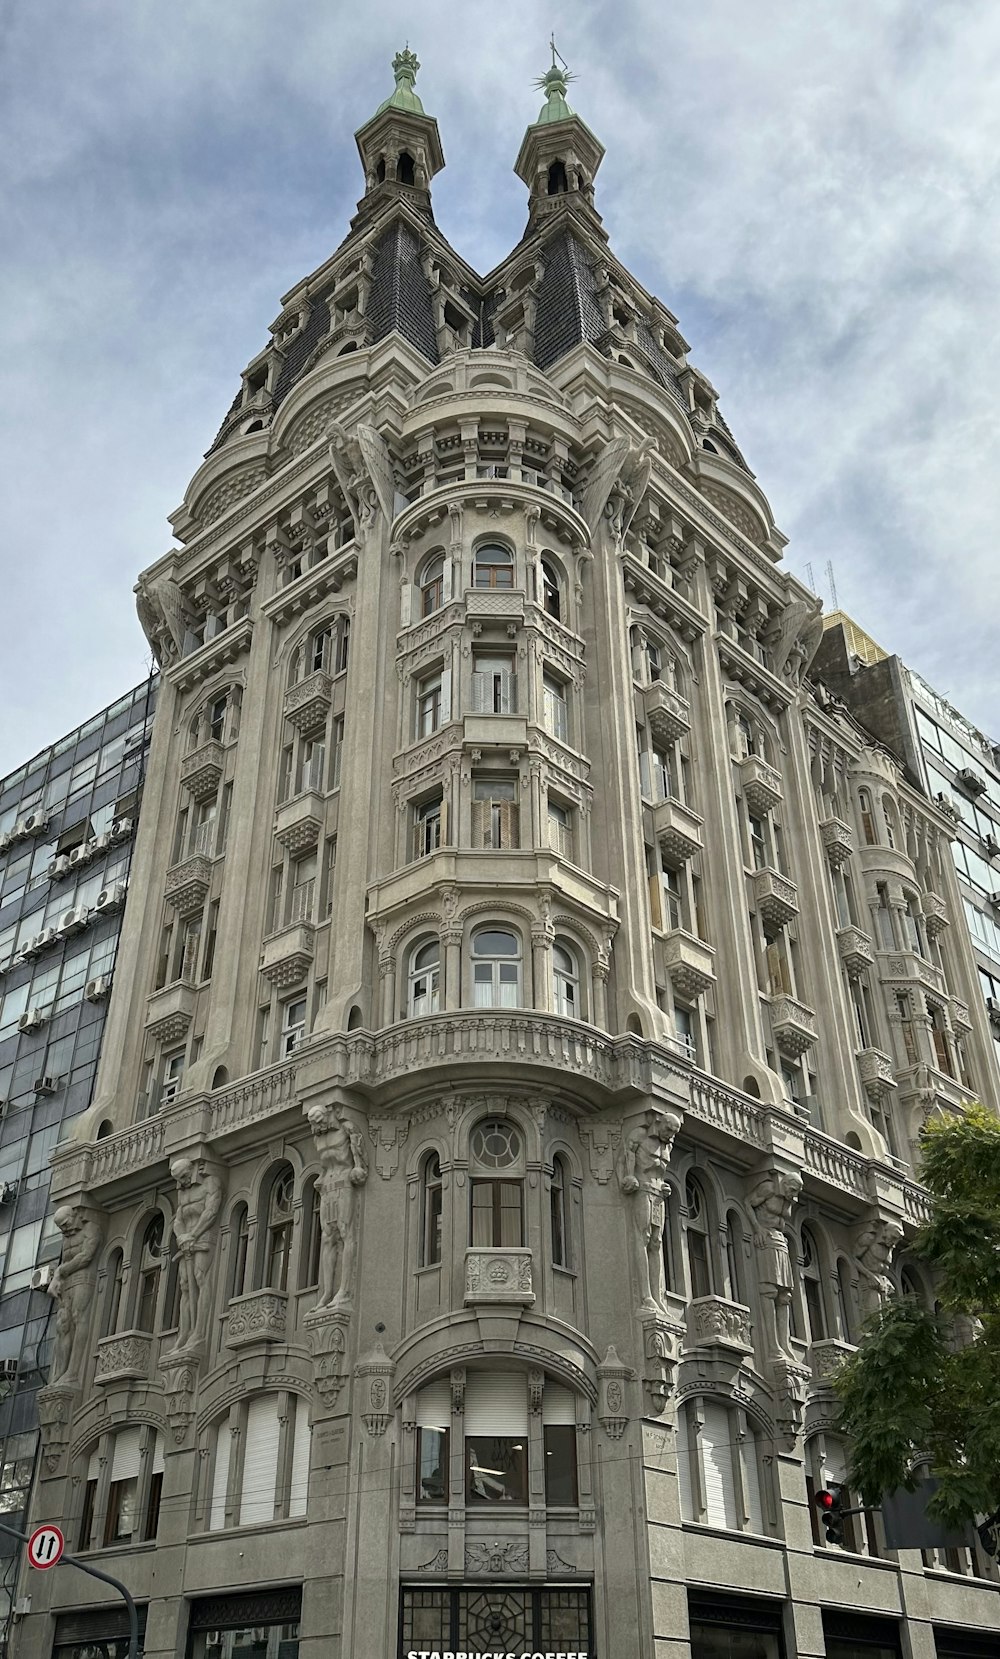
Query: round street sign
45,1546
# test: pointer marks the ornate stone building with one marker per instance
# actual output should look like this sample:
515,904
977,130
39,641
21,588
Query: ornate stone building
498,1143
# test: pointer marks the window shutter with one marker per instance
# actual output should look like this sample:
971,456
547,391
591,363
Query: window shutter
299,1489
448,587
445,696
444,823
717,1466
751,1480
260,1460
655,904
481,824
684,1471
434,1406
558,1404
156,1453
479,686
404,604
94,1465
496,1404
508,693
220,1478
125,1458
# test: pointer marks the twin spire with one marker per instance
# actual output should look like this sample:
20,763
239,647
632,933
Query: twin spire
401,146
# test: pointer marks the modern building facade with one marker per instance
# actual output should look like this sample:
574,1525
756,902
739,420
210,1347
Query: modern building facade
506,1115
956,763
67,822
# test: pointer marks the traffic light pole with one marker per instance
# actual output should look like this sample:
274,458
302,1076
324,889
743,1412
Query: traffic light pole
105,1578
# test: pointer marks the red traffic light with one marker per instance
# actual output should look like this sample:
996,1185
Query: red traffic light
824,1500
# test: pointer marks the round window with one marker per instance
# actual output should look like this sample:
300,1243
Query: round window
496,1145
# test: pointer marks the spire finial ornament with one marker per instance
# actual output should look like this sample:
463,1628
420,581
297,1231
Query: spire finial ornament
554,83
404,66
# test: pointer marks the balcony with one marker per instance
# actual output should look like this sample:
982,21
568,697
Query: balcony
961,1020
286,956
936,917
775,896
498,1276
689,962
855,950
188,884
666,714
838,840
677,829
169,1012
308,703
300,822
257,1317
201,772
713,1322
494,605
123,1357
825,1358
875,1071
761,785
793,1025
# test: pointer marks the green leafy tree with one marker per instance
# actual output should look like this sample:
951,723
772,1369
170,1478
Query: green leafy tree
922,1394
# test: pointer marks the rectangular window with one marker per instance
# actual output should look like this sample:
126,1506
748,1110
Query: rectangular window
173,1074
555,707
496,1438
293,1025
673,900
433,1425
497,1216
559,1445
758,843
429,705
329,871
494,813
303,892
494,684
338,750
560,825
428,827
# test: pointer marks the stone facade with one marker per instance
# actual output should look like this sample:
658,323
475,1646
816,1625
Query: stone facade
513,1126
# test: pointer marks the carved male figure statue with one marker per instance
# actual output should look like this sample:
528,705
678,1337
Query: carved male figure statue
342,1155
772,1201
874,1246
199,1199
72,1287
642,1169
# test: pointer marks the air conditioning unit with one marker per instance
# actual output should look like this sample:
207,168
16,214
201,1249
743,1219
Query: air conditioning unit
101,843
58,867
992,846
79,855
36,824
46,939
32,1020
6,842
45,1085
993,1010
995,900
73,921
42,1276
110,898
121,829
97,989
970,781
30,949
8,1369
8,1191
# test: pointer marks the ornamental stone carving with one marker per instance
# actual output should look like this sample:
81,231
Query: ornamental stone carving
642,1166
72,1289
873,1249
496,1557
55,1412
123,1356
257,1317
612,1406
327,1331
344,1169
712,1320
772,1201
196,1238
178,1397
498,1276
374,1375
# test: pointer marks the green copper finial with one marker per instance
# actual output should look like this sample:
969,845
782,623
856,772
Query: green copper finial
554,84
404,67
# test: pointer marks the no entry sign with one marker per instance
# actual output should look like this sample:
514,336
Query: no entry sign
45,1546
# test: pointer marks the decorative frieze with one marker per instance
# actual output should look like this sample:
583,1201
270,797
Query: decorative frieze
287,956
761,785
169,1012
498,1276
678,830
689,962
257,1317
201,771
793,1025
299,822
713,1321
775,896
838,840
308,703
826,1358
855,950
875,1071
666,712
187,885
123,1356
936,917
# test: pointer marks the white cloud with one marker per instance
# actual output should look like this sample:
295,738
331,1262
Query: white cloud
812,192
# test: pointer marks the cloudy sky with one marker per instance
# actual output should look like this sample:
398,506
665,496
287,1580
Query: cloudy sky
811,188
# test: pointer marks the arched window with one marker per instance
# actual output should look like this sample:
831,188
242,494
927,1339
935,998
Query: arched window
558,184
699,1254
736,1288
842,1291
671,1276
496,1156
423,984
559,1212
432,585
256,1474
565,982
239,1244
867,817
493,566
312,1237
496,968
812,1289
404,168
887,818
551,590
113,1293
278,1242
132,1507
320,653
718,1465
431,1202
148,1281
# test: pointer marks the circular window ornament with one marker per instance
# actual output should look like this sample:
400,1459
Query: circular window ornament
495,1145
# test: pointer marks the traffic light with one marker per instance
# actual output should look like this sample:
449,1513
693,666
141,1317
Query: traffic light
830,1502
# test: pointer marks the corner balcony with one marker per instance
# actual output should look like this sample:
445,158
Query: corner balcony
714,1322
169,1012
875,1071
793,1025
936,917
286,956
775,896
666,714
961,1020
299,822
498,1276
689,962
258,1317
838,840
677,829
855,950
826,1358
188,884
201,772
761,785
308,703
124,1357
494,605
